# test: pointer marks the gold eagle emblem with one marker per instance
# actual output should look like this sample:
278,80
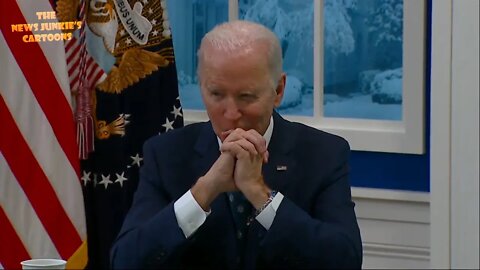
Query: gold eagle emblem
137,53
135,64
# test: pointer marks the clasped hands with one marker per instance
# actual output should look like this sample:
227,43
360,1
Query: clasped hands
239,167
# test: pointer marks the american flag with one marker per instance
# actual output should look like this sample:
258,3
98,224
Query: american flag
41,204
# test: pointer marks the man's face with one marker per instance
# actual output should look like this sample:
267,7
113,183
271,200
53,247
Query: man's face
237,90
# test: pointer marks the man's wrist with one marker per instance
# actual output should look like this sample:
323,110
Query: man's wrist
271,196
262,215
257,195
203,193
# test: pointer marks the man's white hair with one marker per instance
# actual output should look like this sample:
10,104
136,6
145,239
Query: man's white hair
237,37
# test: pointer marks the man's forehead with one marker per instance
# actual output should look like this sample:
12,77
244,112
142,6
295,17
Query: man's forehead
255,47
212,84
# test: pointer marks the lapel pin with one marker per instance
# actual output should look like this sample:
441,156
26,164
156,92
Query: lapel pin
281,167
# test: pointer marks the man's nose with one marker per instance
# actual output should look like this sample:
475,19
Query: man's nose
232,111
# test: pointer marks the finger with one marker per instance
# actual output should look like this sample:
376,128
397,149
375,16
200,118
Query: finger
225,134
247,146
258,140
251,135
237,147
235,150
233,135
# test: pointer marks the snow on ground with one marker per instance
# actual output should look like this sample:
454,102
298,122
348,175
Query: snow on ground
361,106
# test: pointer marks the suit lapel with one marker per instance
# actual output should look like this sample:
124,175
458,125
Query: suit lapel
206,150
206,153
277,173
281,165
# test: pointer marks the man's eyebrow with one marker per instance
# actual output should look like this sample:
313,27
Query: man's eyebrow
211,87
214,89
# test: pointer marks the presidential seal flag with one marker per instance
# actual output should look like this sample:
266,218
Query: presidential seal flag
124,80
41,204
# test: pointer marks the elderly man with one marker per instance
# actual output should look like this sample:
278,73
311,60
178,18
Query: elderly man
247,189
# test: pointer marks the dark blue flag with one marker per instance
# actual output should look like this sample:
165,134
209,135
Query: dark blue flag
136,97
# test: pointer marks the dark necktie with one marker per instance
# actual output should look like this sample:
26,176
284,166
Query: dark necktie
241,211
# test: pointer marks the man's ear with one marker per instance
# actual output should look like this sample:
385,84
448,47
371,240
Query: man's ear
280,90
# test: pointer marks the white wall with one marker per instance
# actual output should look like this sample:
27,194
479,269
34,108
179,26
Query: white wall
465,136
455,135
395,228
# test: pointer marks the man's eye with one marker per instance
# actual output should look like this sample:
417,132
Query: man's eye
248,97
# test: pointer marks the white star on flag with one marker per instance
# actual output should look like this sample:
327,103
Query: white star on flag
168,125
105,181
86,177
120,178
176,111
136,159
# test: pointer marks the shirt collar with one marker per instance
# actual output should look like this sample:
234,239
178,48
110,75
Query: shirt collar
267,136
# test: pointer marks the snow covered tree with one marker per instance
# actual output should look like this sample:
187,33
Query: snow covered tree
288,24
297,24
338,31
385,21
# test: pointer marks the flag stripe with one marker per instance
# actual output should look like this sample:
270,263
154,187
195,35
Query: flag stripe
94,71
73,68
13,252
99,76
72,50
91,67
70,43
57,64
30,231
52,100
41,139
32,180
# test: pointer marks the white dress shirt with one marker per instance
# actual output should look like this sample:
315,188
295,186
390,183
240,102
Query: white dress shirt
190,215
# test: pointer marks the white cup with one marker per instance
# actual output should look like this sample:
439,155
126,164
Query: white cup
43,264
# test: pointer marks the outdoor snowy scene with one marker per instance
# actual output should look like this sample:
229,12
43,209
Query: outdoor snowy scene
362,65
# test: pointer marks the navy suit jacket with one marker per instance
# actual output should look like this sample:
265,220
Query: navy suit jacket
314,227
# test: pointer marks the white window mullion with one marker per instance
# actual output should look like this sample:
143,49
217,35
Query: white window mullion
232,10
318,60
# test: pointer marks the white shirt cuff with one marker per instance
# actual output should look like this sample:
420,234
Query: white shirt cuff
190,215
268,214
